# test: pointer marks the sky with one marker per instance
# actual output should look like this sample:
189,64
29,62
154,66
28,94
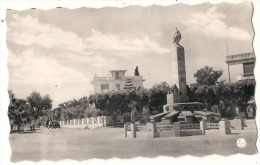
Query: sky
58,51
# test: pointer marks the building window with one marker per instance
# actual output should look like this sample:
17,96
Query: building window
248,68
118,87
104,87
117,75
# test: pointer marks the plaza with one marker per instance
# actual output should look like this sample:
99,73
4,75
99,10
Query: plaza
106,143
175,111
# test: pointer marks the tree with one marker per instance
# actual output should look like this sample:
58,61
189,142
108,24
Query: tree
17,110
128,84
39,104
239,93
56,114
46,102
92,112
206,94
191,92
207,76
232,94
112,103
136,71
73,109
158,95
142,98
84,102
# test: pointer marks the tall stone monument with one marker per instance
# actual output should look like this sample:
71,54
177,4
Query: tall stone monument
179,70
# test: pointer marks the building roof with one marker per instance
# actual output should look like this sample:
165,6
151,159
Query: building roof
117,70
240,58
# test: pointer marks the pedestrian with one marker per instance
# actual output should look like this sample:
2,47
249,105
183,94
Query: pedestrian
49,125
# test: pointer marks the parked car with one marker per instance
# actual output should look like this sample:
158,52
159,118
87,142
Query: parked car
55,125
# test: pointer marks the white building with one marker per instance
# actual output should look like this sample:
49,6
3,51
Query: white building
115,82
241,65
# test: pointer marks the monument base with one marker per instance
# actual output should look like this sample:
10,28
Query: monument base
184,99
173,98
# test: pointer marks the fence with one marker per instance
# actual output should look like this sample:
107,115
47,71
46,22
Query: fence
83,123
176,130
165,127
90,122
212,125
190,126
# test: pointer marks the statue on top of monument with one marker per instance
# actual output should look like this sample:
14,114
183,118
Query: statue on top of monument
176,36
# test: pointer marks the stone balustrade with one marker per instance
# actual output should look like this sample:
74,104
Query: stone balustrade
91,122
190,126
178,129
212,125
141,128
165,127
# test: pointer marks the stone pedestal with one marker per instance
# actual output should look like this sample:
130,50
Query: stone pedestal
133,130
224,127
173,98
203,127
126,128
177,129
152,129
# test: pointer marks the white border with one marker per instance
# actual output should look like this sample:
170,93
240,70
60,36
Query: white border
47,4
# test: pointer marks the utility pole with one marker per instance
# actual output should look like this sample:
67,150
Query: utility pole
228,66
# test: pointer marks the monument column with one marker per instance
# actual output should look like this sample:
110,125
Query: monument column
178,64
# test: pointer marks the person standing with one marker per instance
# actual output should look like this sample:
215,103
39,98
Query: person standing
49,125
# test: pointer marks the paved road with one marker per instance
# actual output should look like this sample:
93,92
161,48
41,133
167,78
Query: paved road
104,143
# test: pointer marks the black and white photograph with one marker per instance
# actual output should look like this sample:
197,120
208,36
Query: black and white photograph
149,81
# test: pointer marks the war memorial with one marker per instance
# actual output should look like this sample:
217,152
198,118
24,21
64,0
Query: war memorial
179,117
